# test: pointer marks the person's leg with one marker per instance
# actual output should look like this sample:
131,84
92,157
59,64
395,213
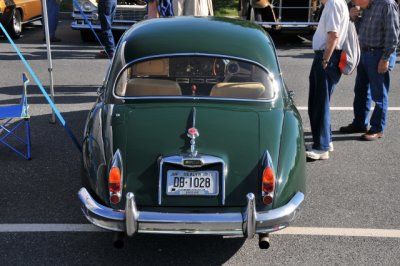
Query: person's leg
210,8
332,77
106,12
190,7
178,7
362,97
313,86
322,83
379,91
52,16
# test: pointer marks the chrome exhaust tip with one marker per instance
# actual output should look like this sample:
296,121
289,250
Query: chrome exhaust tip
119,240
263,241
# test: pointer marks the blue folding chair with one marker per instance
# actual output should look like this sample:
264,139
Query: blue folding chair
11,118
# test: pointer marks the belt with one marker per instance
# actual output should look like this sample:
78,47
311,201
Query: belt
370,49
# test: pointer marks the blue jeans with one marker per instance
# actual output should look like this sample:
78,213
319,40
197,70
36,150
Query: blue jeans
106,9
322,85
53,10
371,86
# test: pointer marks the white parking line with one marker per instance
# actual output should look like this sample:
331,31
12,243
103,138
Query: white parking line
326,231
312,231
305,108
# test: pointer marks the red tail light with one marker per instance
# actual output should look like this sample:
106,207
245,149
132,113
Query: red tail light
268,181
268,185
114,182
114,179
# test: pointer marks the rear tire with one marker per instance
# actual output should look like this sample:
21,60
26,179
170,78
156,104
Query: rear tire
14,28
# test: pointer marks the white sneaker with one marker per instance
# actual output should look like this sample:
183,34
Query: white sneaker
317,154
309,147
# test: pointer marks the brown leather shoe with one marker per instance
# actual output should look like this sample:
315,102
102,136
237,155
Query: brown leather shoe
372,136
351,128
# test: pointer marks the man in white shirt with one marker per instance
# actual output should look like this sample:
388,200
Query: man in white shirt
325,74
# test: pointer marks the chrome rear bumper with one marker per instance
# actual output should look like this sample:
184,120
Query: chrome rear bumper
133,221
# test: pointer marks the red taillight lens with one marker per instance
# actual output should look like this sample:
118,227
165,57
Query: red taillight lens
267,200
268,180
115,198
114,180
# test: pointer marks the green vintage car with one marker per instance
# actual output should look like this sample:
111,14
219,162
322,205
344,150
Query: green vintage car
193,132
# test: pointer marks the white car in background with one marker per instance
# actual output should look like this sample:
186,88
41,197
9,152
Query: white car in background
128,13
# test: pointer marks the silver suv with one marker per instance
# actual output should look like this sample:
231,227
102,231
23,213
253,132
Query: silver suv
128,13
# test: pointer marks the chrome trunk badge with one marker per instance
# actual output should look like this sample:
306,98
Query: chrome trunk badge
193,133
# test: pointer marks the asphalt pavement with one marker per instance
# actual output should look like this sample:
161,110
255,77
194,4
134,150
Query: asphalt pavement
40,218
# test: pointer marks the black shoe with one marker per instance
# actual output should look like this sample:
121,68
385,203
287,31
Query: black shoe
351,128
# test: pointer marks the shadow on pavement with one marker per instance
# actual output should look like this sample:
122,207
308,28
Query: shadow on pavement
63,94
97,249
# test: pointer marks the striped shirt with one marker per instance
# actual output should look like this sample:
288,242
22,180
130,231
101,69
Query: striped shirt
379,26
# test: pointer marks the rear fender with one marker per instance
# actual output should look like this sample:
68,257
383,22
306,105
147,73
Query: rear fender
93,153
291,164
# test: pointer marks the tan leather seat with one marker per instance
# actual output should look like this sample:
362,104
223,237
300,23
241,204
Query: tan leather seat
152,87
242,90
154,67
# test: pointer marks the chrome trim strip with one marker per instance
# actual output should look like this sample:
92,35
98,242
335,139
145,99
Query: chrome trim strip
190,223
32,20
270,75
193,151
179,160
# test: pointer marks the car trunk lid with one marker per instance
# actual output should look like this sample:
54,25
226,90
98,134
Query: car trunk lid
148,135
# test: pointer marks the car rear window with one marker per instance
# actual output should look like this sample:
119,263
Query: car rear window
197,76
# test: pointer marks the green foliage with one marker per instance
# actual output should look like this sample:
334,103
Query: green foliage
222,8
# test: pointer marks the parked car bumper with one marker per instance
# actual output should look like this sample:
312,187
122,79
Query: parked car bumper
82,25
246,223
125,16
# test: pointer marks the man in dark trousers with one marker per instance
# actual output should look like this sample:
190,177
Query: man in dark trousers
325,74
106,10
378,32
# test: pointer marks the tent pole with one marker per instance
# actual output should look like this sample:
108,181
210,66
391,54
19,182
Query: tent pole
50,64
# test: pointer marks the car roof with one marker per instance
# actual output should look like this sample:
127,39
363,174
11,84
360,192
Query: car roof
203,35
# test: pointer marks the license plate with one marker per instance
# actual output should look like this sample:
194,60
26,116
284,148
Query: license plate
192,183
